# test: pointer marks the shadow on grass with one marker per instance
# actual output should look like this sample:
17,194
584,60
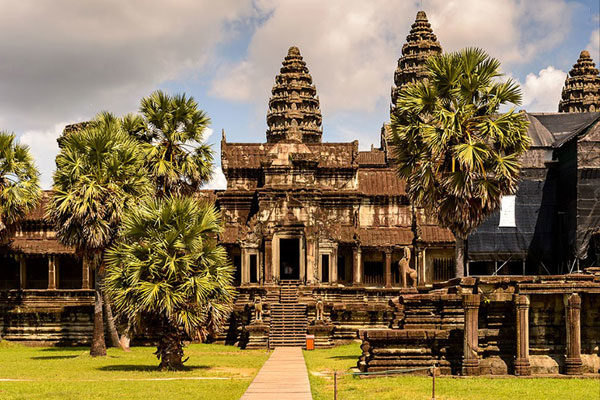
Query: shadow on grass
146,368
344,357
52,357
61,349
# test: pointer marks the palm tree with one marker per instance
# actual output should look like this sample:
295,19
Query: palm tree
173,128
99,175
19,183
169,269
458,153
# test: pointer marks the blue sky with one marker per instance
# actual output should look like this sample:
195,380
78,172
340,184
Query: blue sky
63,60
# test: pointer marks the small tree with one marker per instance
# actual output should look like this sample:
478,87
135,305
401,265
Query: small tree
168,269
173,128
19,183
458,153
99,175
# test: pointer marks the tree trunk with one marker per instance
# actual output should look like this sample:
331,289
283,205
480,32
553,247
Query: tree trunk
98,345
459,257
170,350
110,322
126,338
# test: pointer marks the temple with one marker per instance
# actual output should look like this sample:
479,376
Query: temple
325,241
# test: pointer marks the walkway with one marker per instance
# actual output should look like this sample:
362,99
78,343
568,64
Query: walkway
284,376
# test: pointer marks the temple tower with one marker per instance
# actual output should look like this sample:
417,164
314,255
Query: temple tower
294,115
581,92
421,43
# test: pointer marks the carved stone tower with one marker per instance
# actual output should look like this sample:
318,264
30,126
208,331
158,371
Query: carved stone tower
294,115
581,92
421,43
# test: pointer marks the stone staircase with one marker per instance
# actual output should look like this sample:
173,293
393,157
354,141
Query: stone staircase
288,318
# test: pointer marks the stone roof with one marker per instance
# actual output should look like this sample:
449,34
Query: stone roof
581,92
38,244
434,234
380,182
294,114
253,155
382,237
371,158
421,43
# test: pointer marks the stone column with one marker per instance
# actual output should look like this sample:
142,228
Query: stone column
522,310
245,267
52,273
573,321
356,265
311,260
471,334
22,273
388,268
86,276
333,271
268,260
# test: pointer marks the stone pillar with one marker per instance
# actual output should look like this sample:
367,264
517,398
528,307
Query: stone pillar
356,265
268,260
22,273
471,334
245,267
86,276
311,260
522,310
333,271
52,273
388,268
573,321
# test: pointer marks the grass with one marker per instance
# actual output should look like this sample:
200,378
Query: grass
69,373
322,363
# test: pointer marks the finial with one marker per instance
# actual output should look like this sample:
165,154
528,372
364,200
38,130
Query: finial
584,54
293,51
421,16
223,138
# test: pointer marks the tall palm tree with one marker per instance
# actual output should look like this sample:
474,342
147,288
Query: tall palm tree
458,153
19,183
168,268
173,128
99,175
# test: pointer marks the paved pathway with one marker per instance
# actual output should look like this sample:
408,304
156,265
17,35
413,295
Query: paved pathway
283,376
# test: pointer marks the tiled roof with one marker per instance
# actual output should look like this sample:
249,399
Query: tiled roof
380,182
371,158
378,237
38,213
39,246
435,234
335,155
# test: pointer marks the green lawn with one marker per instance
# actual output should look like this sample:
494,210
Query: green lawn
67,373
321,364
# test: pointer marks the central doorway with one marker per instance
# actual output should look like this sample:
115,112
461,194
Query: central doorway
289,259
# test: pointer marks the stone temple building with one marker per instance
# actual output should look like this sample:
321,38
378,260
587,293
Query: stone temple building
319,233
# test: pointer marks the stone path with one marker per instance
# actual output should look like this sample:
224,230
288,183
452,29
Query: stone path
283,376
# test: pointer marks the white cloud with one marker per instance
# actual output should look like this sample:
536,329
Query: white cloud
44,148
67,58
218,180
594,46
542,92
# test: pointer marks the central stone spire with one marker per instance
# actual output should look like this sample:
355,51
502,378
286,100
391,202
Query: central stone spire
421,43
294,115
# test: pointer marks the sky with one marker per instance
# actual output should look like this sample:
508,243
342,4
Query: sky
63,61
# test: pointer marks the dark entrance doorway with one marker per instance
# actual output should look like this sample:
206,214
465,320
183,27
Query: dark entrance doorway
289,259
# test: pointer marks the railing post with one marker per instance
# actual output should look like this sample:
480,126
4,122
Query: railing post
334,385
